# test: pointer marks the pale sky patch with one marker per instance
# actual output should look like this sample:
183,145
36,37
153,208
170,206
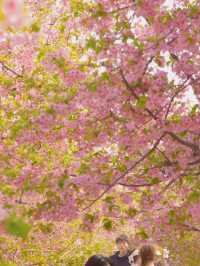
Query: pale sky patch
169,4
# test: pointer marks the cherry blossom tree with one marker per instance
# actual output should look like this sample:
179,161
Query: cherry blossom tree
100,112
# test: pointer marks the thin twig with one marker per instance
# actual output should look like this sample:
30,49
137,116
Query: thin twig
147,65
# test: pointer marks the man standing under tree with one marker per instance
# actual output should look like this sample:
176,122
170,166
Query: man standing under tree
121,257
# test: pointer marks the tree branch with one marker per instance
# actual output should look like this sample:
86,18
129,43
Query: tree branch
10,70
137,185
120,9
128,86
161,39
188,144
195,162
172,181
190,227
126,172
147,64
181,87
168,161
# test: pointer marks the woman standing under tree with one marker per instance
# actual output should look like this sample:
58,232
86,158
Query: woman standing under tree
147,254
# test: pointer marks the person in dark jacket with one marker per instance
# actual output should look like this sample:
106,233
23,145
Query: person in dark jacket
121,257
98,260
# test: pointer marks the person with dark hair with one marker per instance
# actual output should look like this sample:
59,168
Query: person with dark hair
121,257
98,260
147,254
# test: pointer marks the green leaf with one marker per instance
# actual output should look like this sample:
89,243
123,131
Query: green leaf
194,196
139,2
7,190
143,234
83,169
19,126
121,167
194,10
17,227
49,110
46,228
100,12
166,18
194,110
61,182
141,102
65,18
77,7
176,118
122,25
11,172
96,45
155,158
35,158
90,217
91,43
92,86
30,83
67,159
109,199
189,179
6,263
41,55
137,84
35,27
107,224
73,116
154,180
62,28
60,62
131,212
138,44
72,91
5,81
105,76
172,217
153,38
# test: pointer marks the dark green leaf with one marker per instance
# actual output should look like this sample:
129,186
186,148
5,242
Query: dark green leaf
131,212
107,224
61,182
154,180
143,234
35,27
92,86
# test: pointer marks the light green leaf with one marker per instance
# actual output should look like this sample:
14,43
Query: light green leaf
16,226
141,102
